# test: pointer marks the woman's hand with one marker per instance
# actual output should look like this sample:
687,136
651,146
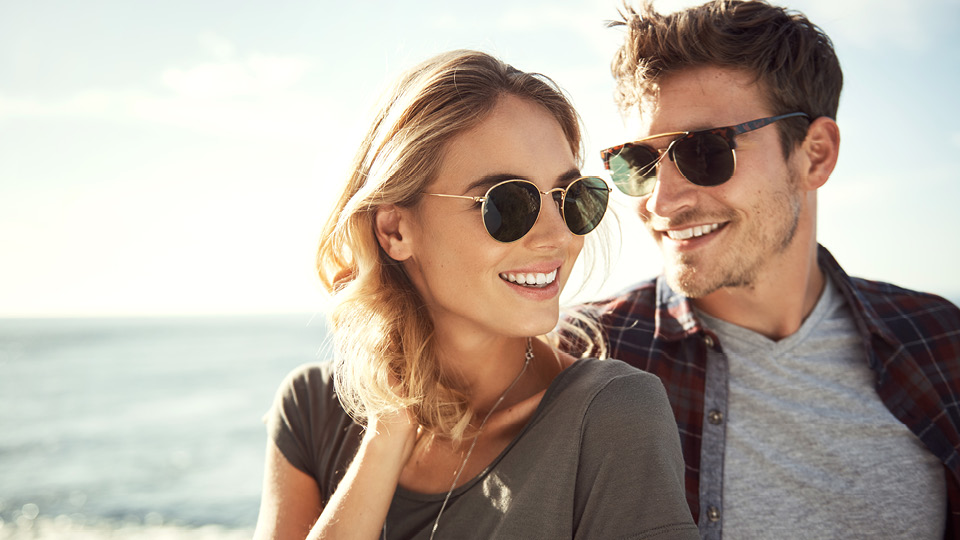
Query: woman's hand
359,505
397,430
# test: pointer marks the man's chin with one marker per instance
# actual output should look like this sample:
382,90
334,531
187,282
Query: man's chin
687,282
692,284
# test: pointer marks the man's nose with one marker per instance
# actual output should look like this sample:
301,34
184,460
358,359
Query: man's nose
672,193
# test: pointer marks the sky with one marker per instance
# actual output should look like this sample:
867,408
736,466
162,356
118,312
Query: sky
179,157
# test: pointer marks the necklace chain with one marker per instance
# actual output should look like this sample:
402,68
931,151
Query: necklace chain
526,362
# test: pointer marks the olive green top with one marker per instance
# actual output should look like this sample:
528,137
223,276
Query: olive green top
599,458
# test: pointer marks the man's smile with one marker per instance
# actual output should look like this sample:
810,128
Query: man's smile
691,232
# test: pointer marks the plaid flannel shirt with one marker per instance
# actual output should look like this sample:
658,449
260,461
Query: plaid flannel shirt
911,341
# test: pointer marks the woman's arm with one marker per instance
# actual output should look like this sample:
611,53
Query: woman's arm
290,503
359,505
290,506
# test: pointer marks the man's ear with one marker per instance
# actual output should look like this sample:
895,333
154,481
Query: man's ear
821,147
392,227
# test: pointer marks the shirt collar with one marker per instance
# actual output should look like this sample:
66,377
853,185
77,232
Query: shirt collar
676,319
867,319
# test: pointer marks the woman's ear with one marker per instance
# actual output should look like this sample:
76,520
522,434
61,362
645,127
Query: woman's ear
821,148
392,229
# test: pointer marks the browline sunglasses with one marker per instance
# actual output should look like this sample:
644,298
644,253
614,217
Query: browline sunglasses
705,158
511,208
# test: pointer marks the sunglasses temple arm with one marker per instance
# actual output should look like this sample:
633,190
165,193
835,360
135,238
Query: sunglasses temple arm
468,197
740,129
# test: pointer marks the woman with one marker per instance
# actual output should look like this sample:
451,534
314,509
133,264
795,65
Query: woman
442,415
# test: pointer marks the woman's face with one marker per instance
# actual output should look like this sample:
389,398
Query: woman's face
468,280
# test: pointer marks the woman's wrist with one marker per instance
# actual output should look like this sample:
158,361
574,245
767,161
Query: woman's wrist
390,438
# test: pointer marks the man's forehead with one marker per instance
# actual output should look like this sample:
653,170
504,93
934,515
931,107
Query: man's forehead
694,99
633,121
637,119
650,117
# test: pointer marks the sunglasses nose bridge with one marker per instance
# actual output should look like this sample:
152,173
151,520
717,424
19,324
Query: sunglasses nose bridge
661,152
557,195
670,150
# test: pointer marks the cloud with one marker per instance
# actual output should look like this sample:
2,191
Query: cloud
444,21
251,96
228,76
294,117
289,117
254,97
586,21
216,46
873,23
257,75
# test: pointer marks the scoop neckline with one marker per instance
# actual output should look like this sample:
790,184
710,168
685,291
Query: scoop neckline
470,484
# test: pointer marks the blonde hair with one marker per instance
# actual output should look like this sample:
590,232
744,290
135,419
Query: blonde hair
383,335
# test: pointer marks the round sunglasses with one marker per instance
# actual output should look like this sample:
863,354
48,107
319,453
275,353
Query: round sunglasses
511,208
705,158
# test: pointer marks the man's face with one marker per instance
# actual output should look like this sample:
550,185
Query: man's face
726,235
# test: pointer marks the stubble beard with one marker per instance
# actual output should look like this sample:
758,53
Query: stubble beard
738,264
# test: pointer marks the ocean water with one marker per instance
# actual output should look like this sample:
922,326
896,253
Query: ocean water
140,427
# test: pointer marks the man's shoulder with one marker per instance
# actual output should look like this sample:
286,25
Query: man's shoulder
887,304
909,314
893,301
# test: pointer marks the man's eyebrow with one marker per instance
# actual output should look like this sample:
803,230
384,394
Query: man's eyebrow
486,182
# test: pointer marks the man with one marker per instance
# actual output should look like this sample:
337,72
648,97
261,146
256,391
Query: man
810,404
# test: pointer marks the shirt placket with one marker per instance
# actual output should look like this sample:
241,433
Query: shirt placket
713,440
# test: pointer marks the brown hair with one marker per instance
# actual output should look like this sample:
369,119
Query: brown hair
385,357
792,58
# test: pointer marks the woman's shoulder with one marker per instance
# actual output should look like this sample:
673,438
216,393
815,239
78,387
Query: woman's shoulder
307,399
311,373
594,371
613,394
305,416
303,381
309,391
580,385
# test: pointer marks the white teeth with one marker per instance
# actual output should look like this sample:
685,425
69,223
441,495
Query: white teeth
536,279
692,232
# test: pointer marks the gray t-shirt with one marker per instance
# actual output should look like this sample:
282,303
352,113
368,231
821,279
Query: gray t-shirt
812,452
600,458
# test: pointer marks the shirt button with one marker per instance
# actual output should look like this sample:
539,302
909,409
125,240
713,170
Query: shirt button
715,417
713,514
708,340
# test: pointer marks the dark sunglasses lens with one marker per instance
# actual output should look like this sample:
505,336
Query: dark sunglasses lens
705,159
634,170
585,204
510,210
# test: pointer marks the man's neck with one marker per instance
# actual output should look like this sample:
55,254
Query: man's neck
776,304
